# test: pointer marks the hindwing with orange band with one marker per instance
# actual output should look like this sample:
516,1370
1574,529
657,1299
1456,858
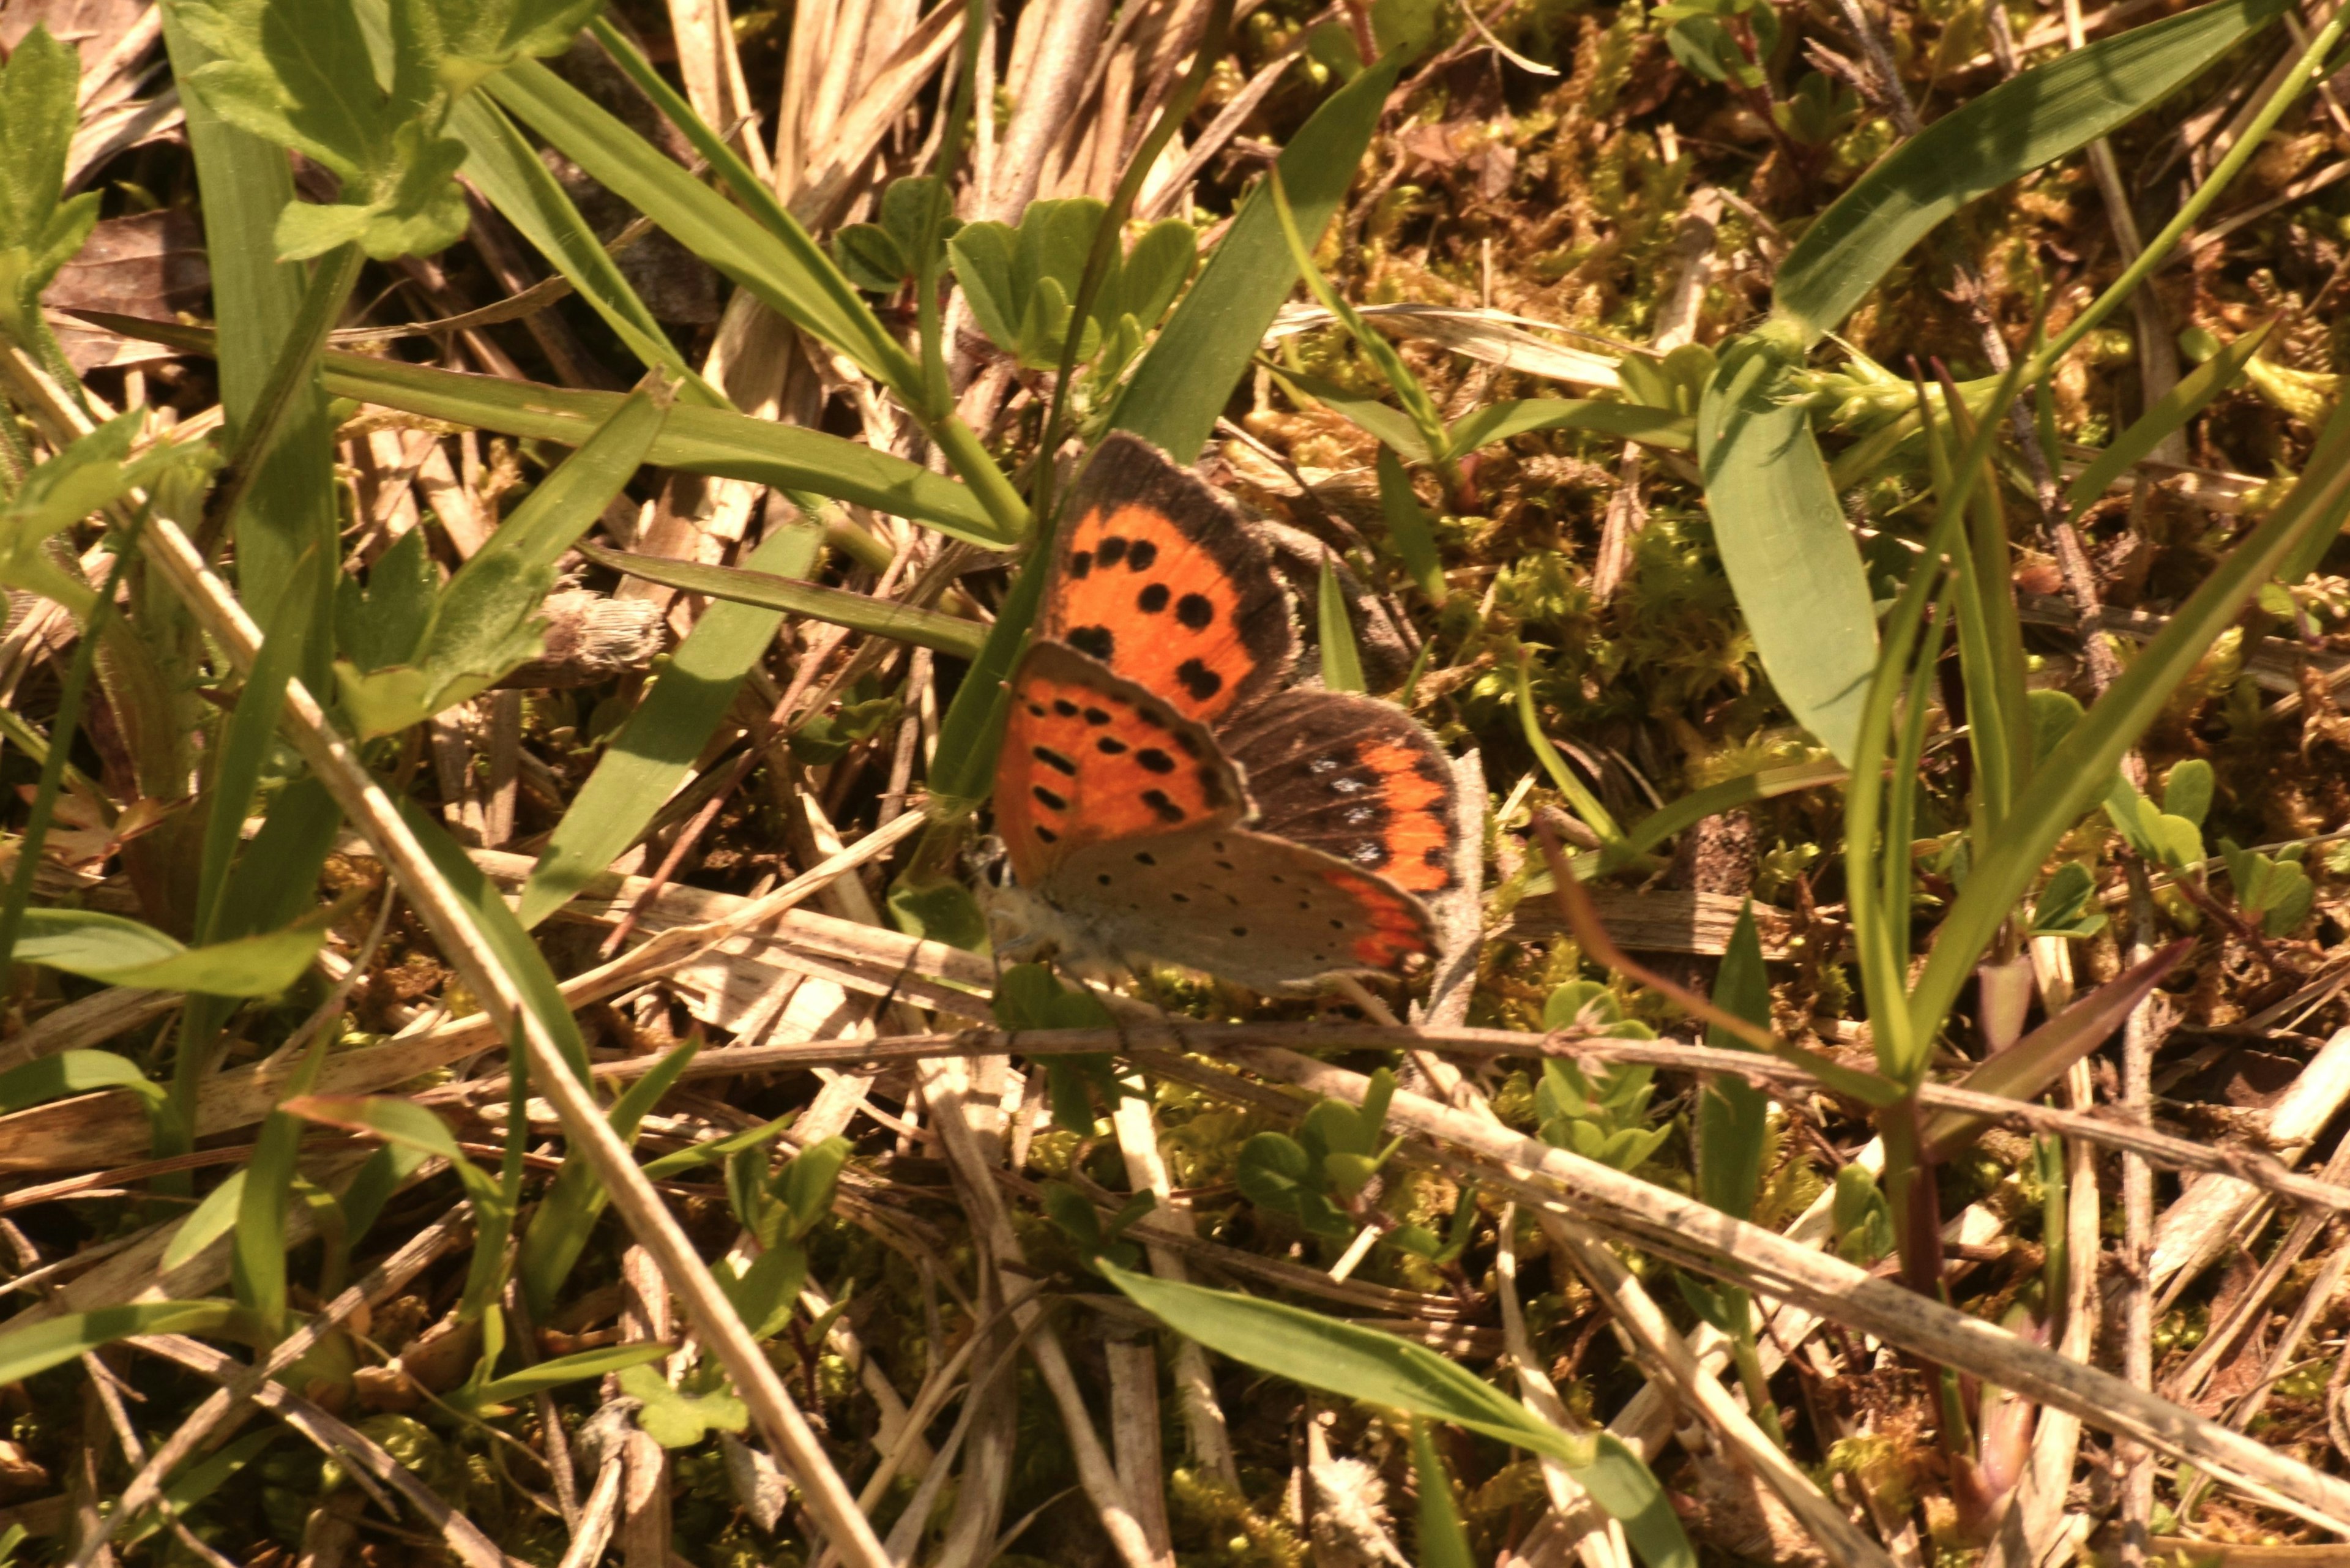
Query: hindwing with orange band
1353,777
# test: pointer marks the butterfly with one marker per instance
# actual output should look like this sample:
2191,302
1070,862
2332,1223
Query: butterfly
1165,793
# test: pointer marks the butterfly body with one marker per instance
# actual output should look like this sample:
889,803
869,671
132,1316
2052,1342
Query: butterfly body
1163,794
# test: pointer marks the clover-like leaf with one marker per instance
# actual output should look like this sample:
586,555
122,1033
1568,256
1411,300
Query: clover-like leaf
676,1419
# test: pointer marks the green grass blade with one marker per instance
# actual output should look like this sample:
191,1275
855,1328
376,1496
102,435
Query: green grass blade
2079,771
1880,944
37,1347
565,1370
1188,374
790,272
1391,427
72,1072
247,739
502,165
1408,529
662,739
117,950
505,934
257,1261
859,612
2033,119
1563,778
285,529
1443,1540
1763,784
566,502
704,440
207,1222
1342,662
1364,1364
1786,547
1732,1133
566,1216
1418,406
1621,421
2182,403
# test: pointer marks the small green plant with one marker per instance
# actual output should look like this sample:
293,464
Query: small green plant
1316,1181
778,1210
1601,1115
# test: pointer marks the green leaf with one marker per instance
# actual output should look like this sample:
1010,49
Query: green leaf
2186,792
298,73
701,440
1029,996
1363,1364
1184,381
207,1222
39,233
1617,420
72,1072
788,271
562,1369
379,623
1732,1135
2064,908
1342,662
1277,1174
764,1292
941,909
37,1347
1408,529
121,951
662,739
486,624
1443,1540
860,612
676,1420
92,473
2033,118
2184,399
1785,546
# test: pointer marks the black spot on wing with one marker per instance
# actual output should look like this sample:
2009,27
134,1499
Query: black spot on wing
1193,610
1153,599
1096,640
1198,679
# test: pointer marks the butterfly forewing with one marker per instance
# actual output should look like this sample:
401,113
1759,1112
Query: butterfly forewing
1158,579
1089,757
